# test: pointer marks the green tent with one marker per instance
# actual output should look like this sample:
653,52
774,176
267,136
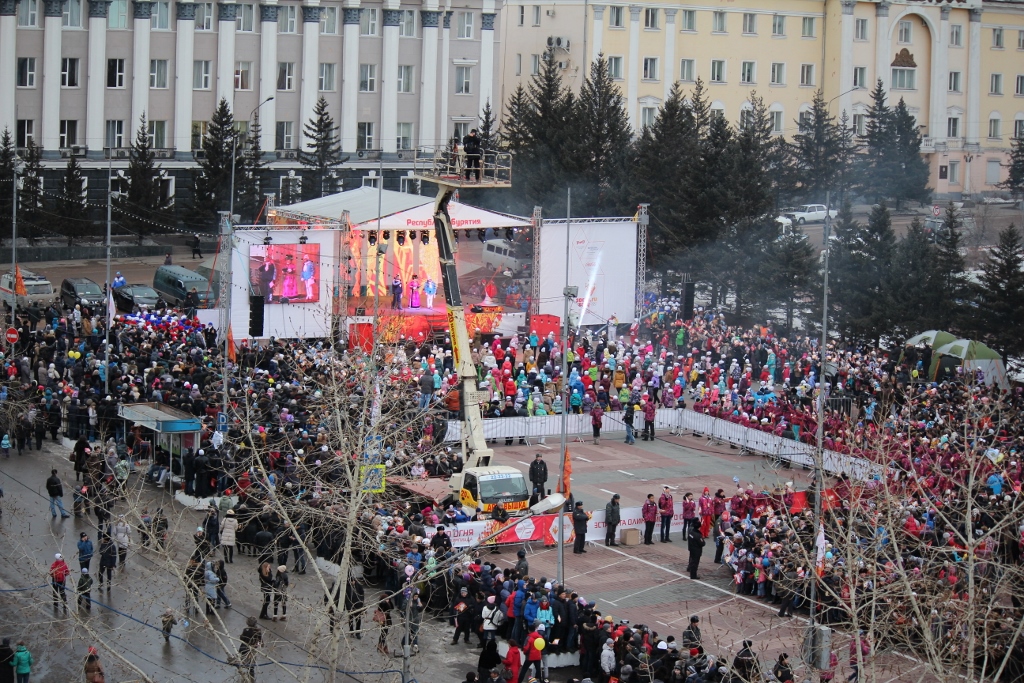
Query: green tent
973,356
933,338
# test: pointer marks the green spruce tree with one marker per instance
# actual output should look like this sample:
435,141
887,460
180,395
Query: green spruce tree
952,289
211,178
71,206
31,198
488,131
910,176
143,207
1000,296
873,256
8,156
323,151
515,134
1014,182
787,275
876,172
250,200
816,152
909,286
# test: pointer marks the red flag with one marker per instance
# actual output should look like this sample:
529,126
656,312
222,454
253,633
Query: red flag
564,485
231,345
19,282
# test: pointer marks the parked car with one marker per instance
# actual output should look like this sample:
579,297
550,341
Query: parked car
810,213
173,283
37,289
936,227
137,296
80,290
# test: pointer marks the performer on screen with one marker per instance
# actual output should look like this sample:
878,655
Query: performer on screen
396,292
290,289
414,292
308,276
267,276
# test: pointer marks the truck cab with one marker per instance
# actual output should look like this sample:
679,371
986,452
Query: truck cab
485,487
38,289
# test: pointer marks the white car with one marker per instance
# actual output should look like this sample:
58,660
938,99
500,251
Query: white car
810,213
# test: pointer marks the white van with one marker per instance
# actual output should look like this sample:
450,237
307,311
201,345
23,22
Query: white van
499,254
37,289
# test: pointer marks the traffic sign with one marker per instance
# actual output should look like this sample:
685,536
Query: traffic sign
11,335
936,210
222,422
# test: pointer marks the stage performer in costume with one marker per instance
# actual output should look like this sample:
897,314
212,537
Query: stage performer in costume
308,276
396,292
706,505
290,289
429,290
267,276
414,292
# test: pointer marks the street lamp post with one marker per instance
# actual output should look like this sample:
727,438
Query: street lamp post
14,238
567,293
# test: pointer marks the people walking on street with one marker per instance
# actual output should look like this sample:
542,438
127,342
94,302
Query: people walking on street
596,415
196,246
22,662
167,622
84,589
266,588
628,418
384,608
250,641
649,512
56,492
85,551
689,513
212,581
93,667
611,520
579,527
6,655
222,584
355,601
649,414
695,544
667,507
862,646
538,474
723,525
281,592
122,538
59,572
108,559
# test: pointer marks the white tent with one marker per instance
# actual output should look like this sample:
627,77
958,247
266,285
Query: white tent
463,216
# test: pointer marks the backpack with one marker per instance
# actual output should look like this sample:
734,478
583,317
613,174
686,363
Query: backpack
497,617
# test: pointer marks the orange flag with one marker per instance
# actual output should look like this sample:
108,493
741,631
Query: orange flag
563,485
231,345
19,282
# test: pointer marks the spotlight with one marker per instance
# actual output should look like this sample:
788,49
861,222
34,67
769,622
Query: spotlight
371,237
424,237
481,235
400,237
303,239
510,234
387,235
456,234
267,240
412,235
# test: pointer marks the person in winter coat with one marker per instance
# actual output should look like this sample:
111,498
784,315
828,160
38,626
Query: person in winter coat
607,659
695,544
579,527
6,655
512,661
122,538
212,582
612,518
649,414
488,614
56,492
666,507
745,667
228,529
489,658
689,514
266,576
355,601
538,473
596,413
222,575
84,589
281,592
649,512
533,656
22,662
93,668
59,572
85,551
108,559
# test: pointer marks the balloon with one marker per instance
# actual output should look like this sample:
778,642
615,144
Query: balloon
409,570
539,644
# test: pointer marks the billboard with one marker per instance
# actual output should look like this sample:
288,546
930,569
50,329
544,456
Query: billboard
285,273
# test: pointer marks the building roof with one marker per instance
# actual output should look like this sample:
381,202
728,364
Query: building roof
362,204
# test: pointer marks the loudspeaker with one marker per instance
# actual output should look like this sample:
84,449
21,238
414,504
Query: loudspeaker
256,304
360,311
689,291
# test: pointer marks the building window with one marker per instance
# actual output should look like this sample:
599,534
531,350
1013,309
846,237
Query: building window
651,18
688,20
615,17
614,67
860,122
405,76
410,185
903,79
285,138
803,119
243,71
806,74
954,81
650,68
404,136
26,72
69,72
536,14
158,73
776,119
997,38
778,25
647,116
407,24
71,15
28,14
995,84
115,134
860,29
522,15
747,72
995,127
329,20
535,66
201,74
465,25
68,133
1020,40
807,29
326,77
364,135
718,22
953,127
717,113
367,21
26,132
157,133
519,64
993,172
286,18
1018,129
115,73
463,75
905,33
956,35
1019,89
245,19
160,19
286,76
117,14
749,23
204,16
778,73
461,129
198,133
860,76
954,172
718,71
746,118
686,70
367,78
371,180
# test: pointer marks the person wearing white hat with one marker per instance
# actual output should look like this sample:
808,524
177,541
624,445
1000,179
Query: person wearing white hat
59,572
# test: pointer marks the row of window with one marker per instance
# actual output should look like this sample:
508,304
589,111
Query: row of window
687,21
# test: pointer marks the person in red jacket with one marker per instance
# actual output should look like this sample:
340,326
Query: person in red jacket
650,514
533,655
512,661
667,507
596,413
58,575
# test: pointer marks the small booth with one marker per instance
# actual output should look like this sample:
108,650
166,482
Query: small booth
173,430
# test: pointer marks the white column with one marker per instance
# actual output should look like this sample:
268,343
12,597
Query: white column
487,55
446,129
846,57
633,73
350,75
429,19
142,11
882,57
974,80
389,79
8,66
598,30
226,13
51,76
940,71
310,88
668,71
95,94
268,74
184,51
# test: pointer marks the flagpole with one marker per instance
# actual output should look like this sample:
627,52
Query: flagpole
565,391
110,285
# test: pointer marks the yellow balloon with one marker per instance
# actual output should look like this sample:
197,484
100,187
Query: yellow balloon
539,644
